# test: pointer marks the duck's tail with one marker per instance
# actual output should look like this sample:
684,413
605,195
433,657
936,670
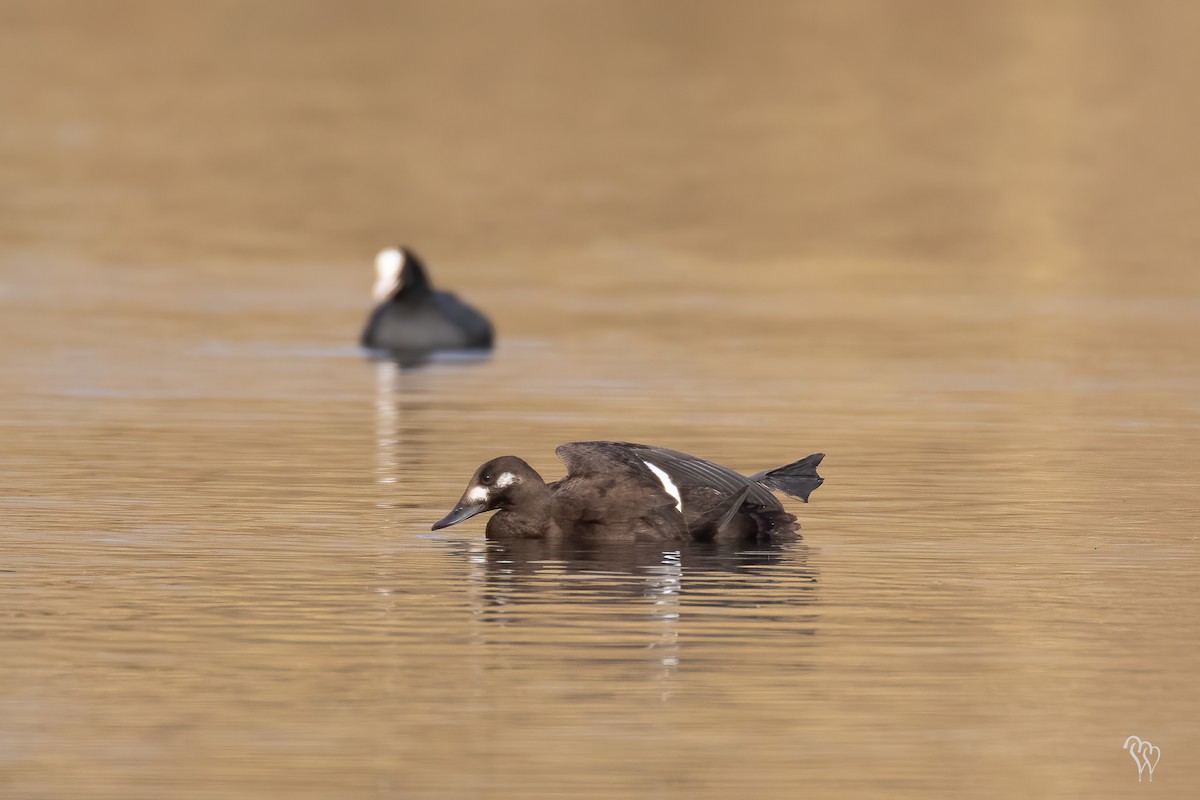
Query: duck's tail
799,479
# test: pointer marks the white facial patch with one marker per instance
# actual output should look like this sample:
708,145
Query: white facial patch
478,494
388,264
505,480
667,484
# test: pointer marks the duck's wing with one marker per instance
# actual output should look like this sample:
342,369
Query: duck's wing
709,523
679,467
598,490
609,466
593,458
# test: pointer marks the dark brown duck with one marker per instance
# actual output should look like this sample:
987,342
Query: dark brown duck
635,491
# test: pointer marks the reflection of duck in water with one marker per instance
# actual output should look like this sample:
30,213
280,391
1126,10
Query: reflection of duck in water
516,578
637,601
527,556
412,318
617,490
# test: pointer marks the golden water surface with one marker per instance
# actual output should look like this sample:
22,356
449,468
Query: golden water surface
952,245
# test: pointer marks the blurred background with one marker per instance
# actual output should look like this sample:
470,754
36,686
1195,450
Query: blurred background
950,244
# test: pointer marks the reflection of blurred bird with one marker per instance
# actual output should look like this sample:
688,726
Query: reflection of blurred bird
618,490
413,317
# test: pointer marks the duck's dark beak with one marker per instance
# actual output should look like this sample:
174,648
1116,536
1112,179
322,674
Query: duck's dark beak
463,510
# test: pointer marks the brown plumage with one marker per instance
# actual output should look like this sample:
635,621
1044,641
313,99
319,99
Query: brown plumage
619,490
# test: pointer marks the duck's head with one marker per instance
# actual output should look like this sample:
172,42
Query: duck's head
500,483
397,269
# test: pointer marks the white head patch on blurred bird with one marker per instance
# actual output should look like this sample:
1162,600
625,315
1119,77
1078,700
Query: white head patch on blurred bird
388,264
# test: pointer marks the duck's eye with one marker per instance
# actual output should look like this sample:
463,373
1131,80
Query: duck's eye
485,478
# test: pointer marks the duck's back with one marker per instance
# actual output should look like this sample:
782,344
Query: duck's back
665,493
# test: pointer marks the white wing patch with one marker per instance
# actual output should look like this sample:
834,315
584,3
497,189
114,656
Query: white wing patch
667,483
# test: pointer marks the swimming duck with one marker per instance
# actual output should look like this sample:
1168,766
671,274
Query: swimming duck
411,316
634,491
